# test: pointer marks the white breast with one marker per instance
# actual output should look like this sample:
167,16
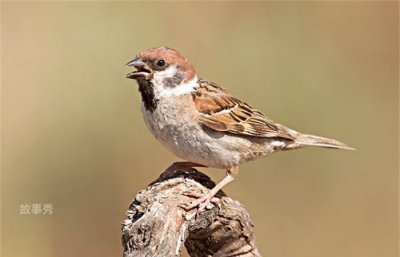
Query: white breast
174,124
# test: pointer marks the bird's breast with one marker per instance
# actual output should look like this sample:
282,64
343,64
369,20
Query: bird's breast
172,123
175,125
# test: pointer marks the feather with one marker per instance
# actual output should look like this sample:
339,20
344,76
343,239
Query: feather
221,111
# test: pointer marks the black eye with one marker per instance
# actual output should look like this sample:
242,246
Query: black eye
160,63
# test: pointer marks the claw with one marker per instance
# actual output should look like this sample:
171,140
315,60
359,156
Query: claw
204,201
193,194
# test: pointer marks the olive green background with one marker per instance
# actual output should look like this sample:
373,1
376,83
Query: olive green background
73,135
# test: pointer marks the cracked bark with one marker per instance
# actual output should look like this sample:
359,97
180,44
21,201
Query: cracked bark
156,225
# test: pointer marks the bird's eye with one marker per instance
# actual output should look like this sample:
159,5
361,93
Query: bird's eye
160,63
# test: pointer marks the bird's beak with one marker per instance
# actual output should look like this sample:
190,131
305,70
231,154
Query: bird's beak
142,70
135,63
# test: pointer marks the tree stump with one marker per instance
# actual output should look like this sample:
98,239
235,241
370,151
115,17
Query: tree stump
157,225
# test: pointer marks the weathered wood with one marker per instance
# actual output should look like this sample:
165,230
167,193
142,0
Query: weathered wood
156,225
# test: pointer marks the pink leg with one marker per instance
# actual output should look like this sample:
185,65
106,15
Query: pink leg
204,200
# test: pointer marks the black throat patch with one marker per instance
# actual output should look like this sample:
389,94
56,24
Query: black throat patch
146,89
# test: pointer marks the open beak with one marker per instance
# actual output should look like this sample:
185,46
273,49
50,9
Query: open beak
142,70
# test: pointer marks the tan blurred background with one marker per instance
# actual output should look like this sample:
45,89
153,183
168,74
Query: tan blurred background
73,135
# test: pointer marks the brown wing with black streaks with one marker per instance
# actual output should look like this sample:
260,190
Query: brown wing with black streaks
221,111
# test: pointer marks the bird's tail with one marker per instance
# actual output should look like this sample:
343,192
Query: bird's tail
311,140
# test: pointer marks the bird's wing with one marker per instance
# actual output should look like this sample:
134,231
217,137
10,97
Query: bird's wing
221,111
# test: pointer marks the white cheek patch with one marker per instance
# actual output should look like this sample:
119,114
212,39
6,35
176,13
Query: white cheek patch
169,72
183,88
163,91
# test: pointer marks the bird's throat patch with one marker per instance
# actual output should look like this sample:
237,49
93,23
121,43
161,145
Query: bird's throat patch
146,89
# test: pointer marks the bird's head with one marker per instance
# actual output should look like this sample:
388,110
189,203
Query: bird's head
161,66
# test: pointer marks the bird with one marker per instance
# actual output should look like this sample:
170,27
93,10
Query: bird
204,124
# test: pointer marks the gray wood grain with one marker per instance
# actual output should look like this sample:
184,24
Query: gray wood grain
157,225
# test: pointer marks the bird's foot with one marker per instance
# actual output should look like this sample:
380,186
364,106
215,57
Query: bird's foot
203,201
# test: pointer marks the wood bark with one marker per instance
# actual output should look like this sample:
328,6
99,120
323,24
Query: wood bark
157,225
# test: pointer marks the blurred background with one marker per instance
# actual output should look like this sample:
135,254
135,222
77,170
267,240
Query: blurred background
73,135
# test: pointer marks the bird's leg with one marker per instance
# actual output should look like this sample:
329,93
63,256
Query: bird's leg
182,166
204,200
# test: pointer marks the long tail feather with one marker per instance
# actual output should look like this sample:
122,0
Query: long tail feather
311,140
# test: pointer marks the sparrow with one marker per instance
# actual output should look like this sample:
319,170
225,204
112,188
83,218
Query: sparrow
204,124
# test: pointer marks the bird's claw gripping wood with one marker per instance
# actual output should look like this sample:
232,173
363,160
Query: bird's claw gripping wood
203,201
